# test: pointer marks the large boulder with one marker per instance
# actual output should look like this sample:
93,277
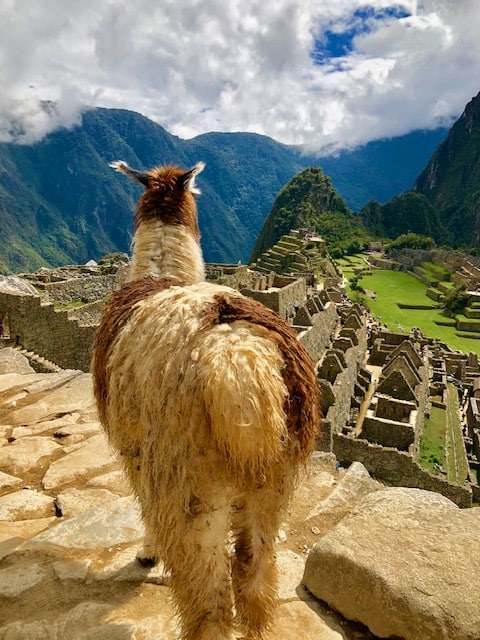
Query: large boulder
12,361
405,563
14,284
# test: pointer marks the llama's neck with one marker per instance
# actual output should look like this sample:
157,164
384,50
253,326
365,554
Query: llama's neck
163,250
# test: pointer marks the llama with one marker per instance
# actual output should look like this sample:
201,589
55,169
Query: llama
212,404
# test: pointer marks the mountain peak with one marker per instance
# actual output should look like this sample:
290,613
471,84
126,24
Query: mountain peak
450,180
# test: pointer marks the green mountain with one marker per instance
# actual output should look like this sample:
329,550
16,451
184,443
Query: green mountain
404,214
60,203
310,201
444,202
451,180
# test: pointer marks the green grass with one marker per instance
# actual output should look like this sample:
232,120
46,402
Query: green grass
463,318
429,275
59,306
441,447
456,458
438,269
391,287
432,443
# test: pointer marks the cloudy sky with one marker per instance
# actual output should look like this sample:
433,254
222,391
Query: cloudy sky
324,73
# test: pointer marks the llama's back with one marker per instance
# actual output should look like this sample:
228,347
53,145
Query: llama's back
206,369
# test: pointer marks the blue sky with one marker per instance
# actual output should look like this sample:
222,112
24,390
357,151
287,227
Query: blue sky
326,74
338,40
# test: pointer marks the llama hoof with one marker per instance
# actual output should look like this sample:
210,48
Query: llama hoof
147,561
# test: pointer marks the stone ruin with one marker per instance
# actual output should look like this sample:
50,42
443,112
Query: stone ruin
374,384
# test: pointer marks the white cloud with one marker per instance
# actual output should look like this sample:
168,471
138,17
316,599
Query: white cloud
212,65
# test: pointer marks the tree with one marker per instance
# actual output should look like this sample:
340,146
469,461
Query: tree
456,300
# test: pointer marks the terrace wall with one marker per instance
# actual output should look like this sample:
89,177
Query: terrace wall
397,468
54,335
388,433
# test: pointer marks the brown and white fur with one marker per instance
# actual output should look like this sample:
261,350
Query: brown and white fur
212,404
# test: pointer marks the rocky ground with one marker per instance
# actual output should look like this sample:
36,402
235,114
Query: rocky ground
402,561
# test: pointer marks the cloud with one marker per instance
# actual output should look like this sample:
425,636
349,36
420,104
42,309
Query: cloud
327,74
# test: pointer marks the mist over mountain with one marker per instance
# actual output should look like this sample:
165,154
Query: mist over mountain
60,203
444,201
451,179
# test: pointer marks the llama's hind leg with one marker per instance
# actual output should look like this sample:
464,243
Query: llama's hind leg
199,563
147,555
256,520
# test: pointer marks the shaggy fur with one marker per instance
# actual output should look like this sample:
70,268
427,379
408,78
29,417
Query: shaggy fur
212,403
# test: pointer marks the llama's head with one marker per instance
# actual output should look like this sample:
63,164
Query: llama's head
169,195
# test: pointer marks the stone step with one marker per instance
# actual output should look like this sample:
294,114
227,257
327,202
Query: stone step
33,357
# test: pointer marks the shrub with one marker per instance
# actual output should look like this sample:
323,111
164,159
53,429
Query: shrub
456,300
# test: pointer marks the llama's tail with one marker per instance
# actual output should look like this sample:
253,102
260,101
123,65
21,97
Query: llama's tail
244,394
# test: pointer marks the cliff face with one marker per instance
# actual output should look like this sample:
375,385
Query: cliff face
451,179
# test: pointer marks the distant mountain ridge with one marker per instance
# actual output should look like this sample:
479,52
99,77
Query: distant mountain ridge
60,203
451,179
444,200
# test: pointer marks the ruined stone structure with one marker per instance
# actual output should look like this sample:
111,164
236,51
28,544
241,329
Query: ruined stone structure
49,324
300,251
396,413
398,468
375,385
56,335
342,376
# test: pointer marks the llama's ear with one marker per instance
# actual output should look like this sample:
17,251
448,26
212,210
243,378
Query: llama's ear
122,167
187,181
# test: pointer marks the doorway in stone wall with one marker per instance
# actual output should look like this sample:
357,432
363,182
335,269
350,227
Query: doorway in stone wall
4,328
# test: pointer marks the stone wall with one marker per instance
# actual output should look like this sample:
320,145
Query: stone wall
341,368
317,337
87,314
52,334
388,433
382,343
397,468
237,276
65,336
411,258
86,289
284,295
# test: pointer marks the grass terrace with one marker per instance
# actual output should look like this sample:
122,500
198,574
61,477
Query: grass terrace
400,301
442,450
432,445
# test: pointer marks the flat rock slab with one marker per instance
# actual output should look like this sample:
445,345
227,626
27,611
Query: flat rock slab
25,504
24,529
92,456
355,484
53,394
85,621
72,501
10,380
12,361
297,620
8,482
113,480
101,527
15,580
405,563
26,453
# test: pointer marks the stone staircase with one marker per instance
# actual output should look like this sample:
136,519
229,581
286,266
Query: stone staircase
288,255
38,363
